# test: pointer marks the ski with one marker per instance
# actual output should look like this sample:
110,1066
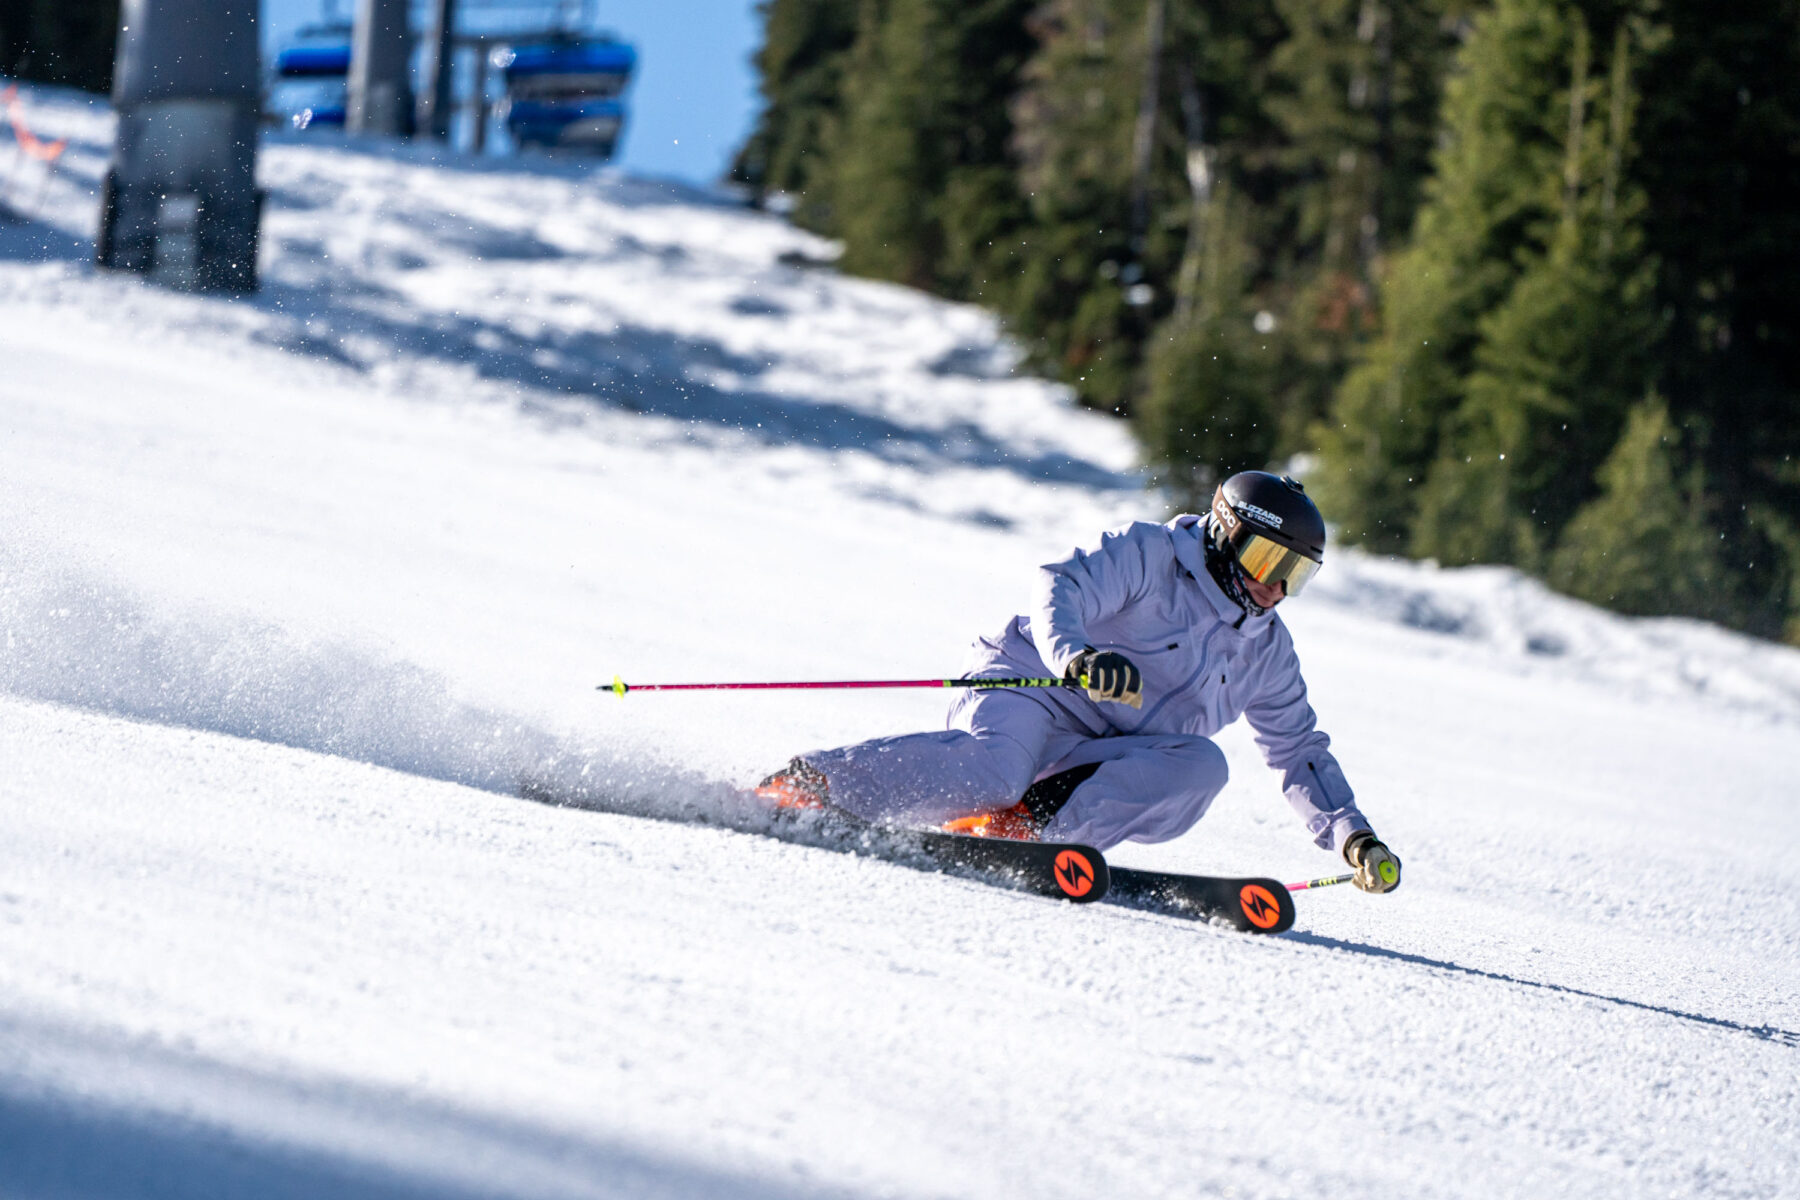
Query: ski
1252,905
1060,870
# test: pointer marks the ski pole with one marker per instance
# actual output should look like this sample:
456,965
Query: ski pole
619,687
1328,881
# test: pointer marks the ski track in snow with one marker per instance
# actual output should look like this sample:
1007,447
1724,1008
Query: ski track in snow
295,593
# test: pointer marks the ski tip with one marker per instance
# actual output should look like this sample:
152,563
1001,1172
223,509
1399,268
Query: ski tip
1266,906
1250,905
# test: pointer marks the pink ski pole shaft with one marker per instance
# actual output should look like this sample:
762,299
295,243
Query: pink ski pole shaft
619,687
1328,881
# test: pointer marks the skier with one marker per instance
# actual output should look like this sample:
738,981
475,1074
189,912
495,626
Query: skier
1173,629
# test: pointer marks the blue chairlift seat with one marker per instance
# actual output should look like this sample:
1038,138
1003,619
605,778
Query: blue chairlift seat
310,76
325,116
591,124
313,62
566,94
589,68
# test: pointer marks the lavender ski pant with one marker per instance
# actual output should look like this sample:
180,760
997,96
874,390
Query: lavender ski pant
1148,788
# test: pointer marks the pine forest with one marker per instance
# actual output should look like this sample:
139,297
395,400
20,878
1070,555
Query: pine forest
1509,281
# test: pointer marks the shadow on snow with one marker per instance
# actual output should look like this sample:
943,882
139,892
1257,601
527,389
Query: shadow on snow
1767,1033
23,239
213,1129
641,370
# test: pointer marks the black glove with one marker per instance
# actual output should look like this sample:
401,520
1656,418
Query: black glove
1377,869
1107,676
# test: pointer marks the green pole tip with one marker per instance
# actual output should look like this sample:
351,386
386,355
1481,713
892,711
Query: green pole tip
618,686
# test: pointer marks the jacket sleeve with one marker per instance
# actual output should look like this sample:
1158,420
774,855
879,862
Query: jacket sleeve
1089,585
1286,729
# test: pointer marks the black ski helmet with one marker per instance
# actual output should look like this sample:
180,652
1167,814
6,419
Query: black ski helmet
1270,526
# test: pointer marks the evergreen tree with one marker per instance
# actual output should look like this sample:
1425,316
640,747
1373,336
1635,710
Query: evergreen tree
1485,208
801,65
1556,276
1562,359
1074,263
1354,89
921,173
1719,129
1072,212
69,42
1104,136
883,153
1608,206
1206,412
1646,544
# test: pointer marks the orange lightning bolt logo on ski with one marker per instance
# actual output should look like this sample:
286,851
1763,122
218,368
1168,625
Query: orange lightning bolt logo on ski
1260,908
1074,873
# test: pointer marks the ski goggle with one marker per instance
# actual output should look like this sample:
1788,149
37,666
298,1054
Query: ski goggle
1269,562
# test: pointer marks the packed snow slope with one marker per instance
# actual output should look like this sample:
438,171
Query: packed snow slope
296,590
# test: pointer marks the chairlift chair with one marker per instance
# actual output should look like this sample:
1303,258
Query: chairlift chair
310,77
566,93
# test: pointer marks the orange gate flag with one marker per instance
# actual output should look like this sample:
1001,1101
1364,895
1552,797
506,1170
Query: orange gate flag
29,142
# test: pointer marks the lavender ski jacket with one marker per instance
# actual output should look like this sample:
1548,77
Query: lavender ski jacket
1145,592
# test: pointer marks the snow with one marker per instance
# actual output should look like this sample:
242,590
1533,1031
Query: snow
295,591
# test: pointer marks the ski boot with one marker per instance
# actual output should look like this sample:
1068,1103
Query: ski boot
1018,824
798,785
1025,821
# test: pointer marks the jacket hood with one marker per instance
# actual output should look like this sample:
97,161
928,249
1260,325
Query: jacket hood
1185,531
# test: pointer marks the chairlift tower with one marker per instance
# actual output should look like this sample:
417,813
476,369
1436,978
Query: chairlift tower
435,99
179,202
380,88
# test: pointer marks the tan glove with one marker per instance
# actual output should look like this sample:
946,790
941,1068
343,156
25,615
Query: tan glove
1107,675
1377,869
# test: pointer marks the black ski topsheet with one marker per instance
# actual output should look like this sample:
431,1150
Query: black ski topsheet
1252,905
1062,870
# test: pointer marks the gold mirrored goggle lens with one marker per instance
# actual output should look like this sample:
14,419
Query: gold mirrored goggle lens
1270,562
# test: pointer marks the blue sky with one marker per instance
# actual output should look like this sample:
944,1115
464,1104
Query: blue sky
695,95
